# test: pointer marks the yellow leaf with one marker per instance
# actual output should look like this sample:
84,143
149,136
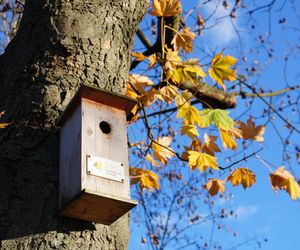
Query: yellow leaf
165,8
209,146
220,69
284,180
173,60
189,130
242,176
168,93
139,56
189,114
151,160
202,161
181,99
161,149
249,131
214,186
195,145
147,178
3,125
184,39
227,139
152,60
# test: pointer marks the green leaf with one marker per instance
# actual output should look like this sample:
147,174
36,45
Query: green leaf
218,116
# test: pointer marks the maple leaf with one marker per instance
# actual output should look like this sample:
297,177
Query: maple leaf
165,8
152,61
168,93
189,130
209,146
195,145
148,97
249,131
220,69
147,178
3,125
184,39
139,56
284,180
214,186
218,116
151,160
242,176
173,60
202,161
161,149
227,139
136,84
188,71
189,114
182,98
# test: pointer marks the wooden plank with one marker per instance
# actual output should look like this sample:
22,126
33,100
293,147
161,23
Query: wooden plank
70,158
111,146
98,207
98,95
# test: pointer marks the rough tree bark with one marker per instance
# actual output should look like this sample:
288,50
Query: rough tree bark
60,44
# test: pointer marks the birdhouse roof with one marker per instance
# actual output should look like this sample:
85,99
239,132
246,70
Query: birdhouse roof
98,95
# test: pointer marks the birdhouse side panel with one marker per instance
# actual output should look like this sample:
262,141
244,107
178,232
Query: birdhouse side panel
104,149
70,158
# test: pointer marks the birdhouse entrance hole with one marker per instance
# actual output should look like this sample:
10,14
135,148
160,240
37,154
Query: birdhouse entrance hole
105,127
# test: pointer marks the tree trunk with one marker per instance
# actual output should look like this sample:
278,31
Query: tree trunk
60,45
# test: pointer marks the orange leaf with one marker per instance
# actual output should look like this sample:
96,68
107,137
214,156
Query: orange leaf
249,131
284,180
215,186
139,56
227,139
242,176
147,178
165,8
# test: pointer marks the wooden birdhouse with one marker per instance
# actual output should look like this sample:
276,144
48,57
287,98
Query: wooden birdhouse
93,171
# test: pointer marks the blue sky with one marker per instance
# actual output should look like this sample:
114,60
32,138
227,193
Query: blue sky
262,214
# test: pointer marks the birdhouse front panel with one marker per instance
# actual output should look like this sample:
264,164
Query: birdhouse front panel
104,149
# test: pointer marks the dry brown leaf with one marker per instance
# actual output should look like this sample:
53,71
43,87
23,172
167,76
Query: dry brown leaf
209,146
214,186
249,131
184,39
